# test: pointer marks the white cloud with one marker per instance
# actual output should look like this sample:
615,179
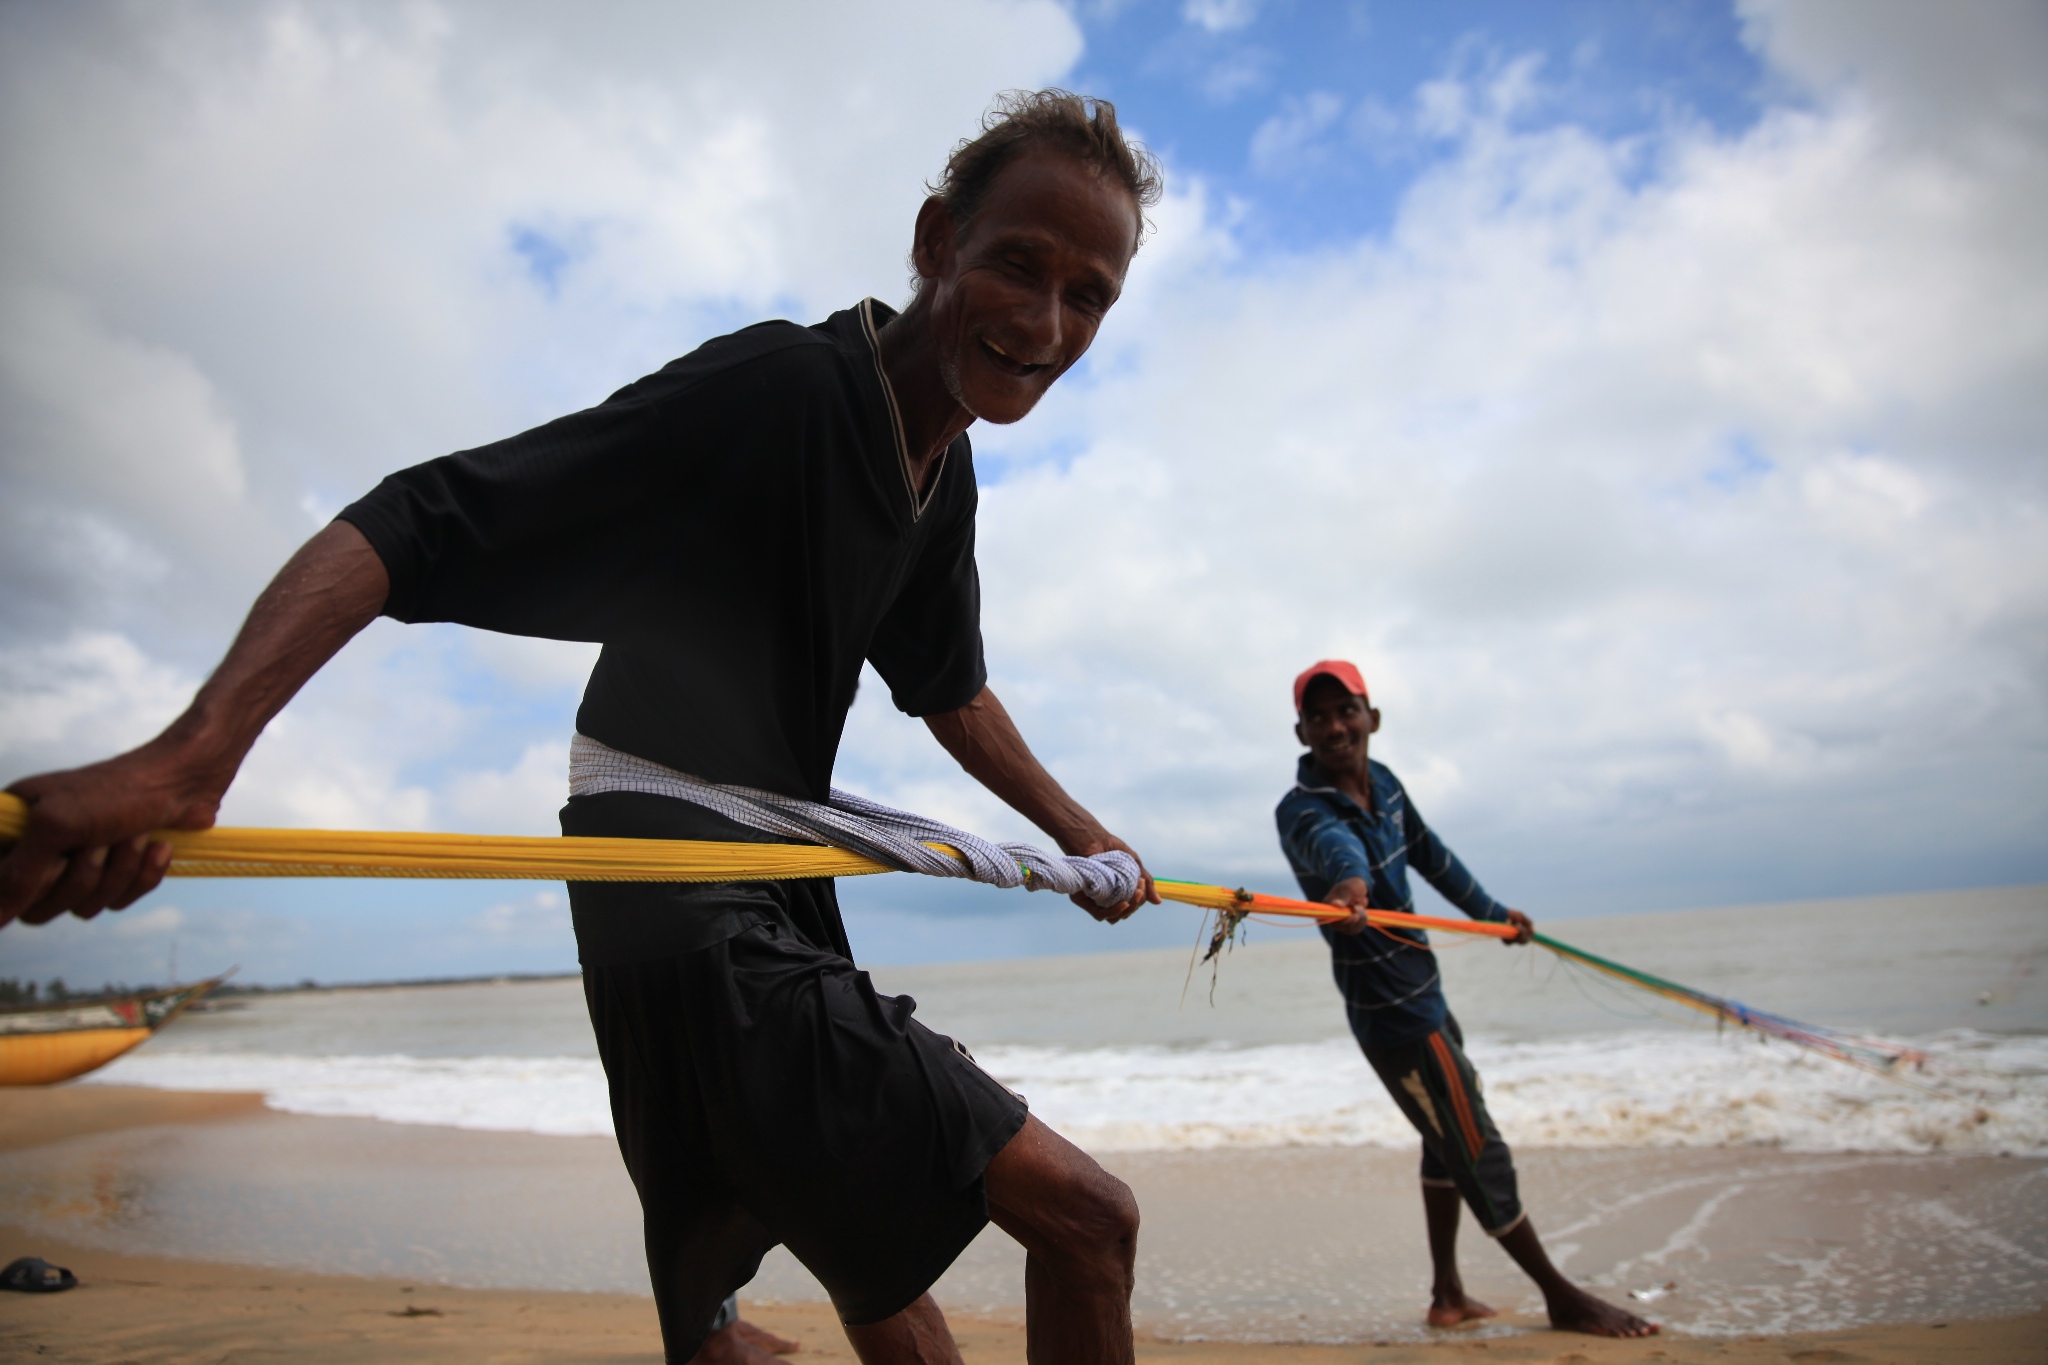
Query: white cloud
534,665
1953,76
1236,72
146,943
259,253
1284,142
125,482
89,694
158,921
1683,497
542,917
521,800
1220,16
1665,509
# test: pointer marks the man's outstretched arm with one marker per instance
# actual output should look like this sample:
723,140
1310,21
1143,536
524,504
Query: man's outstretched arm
984,739
85,848
1433,858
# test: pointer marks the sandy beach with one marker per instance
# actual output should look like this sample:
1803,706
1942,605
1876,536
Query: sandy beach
160,1311
156,1307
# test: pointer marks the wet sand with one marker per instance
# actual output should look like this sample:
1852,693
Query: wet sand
160,1311
1230,1239
38,1117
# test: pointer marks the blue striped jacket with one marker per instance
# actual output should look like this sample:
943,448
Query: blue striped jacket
1392,992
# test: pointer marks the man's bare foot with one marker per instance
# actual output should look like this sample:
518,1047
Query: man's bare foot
729,1346
1574,1310
1452,1308
761,1339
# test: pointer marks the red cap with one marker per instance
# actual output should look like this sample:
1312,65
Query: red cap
1343,671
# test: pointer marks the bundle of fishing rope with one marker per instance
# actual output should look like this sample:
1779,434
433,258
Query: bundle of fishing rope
852,836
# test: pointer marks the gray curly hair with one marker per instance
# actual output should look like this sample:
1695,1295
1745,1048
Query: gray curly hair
1058,120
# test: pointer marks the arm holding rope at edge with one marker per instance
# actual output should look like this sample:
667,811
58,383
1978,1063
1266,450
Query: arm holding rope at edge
985,741
1354,895
85,848
1321,847
1442,869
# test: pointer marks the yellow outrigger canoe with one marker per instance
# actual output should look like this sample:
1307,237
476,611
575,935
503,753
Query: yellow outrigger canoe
44,1044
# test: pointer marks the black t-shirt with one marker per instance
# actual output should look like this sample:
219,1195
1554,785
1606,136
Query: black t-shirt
739,531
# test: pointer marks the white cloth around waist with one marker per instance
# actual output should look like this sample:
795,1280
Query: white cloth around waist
895,838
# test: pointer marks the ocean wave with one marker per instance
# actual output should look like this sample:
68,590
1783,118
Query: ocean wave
1644,1089
1628,1090
557,1096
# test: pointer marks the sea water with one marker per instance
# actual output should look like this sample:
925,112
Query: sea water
1729,1185
1147,1051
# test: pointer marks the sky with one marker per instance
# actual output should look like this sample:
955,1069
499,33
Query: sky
1648,396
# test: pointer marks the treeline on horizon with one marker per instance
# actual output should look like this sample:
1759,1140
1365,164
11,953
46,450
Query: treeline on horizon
14,993
21,993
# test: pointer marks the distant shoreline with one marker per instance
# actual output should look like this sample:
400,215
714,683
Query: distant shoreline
310,987
232,989
1818,904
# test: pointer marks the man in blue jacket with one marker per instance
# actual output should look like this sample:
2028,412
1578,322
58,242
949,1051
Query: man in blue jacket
1351,834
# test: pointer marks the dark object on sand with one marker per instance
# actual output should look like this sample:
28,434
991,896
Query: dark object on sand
34,1275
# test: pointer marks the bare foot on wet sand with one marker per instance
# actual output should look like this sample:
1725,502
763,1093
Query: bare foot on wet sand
742,1344
1577,1311
761,1339
1452,1308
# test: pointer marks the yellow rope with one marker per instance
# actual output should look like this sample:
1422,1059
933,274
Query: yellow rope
345,853
229,852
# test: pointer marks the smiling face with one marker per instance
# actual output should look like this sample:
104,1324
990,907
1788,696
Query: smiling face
1336,726
1016,296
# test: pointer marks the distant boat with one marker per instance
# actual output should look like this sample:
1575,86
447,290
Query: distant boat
44,1044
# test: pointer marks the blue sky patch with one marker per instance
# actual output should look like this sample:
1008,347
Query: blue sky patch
1308,113
547,255
1742,463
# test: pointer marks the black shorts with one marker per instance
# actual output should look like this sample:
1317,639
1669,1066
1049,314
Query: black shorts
1438,1090
764,1093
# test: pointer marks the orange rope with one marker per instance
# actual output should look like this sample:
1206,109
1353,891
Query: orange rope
1224,898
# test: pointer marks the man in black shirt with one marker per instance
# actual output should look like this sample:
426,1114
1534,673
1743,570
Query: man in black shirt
740,531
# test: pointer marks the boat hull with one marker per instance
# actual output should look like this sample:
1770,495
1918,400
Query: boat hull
45,1044
46,1058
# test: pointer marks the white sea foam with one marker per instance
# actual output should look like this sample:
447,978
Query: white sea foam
1637,1089
558,1096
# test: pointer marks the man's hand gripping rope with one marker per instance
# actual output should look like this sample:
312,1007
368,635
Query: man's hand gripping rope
1353,895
